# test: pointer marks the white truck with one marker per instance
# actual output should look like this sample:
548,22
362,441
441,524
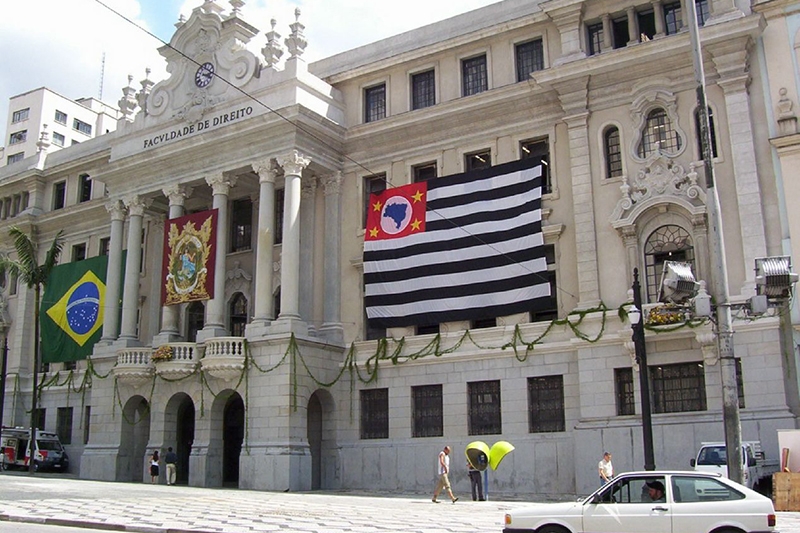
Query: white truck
713,457
14,451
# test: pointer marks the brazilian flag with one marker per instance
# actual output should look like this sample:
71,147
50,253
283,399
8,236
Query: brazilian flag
72,310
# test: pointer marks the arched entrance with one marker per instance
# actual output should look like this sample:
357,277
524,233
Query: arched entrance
321,434
134,435
179,429
315,440
232,439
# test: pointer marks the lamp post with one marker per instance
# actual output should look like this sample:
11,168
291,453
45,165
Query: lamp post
4,327
637,325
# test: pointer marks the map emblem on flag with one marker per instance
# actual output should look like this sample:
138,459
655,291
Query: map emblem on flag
397,212
79,312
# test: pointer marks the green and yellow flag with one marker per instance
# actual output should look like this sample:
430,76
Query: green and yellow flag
72,310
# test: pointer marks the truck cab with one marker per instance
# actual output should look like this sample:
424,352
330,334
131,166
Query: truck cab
49,454
713,457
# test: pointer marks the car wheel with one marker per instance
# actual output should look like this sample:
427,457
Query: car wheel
728,531
551,529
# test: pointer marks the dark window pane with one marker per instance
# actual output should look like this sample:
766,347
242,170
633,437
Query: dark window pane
424,172
375,103
484,408
623,385
477,160
375,414
613,153
64,424
474,77
372,185
678,388
539,148
59,195
238,315
647,25
241,225
195,319
673,18
595,38
703,13
620,35
85,192
423,89
530,58
427,411
546,404
658,134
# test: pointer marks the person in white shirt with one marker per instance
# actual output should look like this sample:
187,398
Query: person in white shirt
605,469
444,470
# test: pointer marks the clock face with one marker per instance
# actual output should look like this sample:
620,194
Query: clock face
204,75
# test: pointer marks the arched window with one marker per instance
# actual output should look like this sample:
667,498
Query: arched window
613,152
238,314
710,127
195,320
658,134
667,243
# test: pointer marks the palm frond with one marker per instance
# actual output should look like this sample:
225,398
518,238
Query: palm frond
51,259
26,253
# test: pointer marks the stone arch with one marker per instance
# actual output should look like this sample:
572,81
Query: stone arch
179,432
226,433
134,435
321,434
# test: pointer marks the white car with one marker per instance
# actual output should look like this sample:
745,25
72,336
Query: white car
653,502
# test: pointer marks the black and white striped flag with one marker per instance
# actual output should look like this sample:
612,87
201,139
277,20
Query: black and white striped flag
478,253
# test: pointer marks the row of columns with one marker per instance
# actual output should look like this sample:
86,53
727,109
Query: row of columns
292,268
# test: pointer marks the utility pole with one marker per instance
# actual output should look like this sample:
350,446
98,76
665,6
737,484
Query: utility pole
719,269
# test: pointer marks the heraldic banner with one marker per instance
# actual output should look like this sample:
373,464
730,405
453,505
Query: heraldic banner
189,258
73,307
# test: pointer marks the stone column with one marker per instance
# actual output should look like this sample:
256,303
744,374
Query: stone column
113,272
293,165
607,43
331,328
658,13
633,26
307,231
263,313
169,313
130,296
215,307
567,17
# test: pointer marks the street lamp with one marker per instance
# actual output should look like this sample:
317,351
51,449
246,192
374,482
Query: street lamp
635,317
5,325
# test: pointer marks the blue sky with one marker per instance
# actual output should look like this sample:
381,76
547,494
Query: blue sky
60,44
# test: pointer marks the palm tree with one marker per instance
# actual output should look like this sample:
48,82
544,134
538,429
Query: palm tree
34,275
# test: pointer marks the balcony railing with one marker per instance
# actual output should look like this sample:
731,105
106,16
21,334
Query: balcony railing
224,357
134,366
183,362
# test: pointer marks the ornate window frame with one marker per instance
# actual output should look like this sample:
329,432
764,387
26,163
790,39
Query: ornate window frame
646,102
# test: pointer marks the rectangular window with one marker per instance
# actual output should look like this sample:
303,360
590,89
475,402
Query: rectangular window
477,160
427,411
105,243
702,10
530,58
61,117
64,425
375,414
474,75
41,414
18,137
539,148
623,388
85,188
13,158
647,25
594,38
424,172
484,408
87,416
673,18
79,252
678,388
82,126
241,225
423,89
278,223
59,195
375,103
619,32
546,404
372,185
19,116
547,308
58,139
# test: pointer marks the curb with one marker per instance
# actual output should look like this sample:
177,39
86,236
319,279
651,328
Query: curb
105,526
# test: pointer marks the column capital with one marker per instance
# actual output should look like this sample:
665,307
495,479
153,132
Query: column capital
265,169
116,208
293,163
220,183
137,205
177,194
332,184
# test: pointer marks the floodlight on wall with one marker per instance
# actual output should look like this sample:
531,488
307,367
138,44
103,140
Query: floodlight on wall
774,277
677,283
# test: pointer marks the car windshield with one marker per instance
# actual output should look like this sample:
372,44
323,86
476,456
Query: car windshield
713,455
52,445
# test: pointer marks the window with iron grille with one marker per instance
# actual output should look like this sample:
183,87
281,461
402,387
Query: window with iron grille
241,225
666,243
595,38
613,152
238,314
658,134
423,89
484,408
539,148
427,411
424,172
547,308
59,195
375,103
82,126
87,416
673,17
79,252
372,185
278,222
474,76
64,424
477,160
375,414
530,58
61,117
711,129
623,388
19,116
85,188
739,382
678,388
546,404
18,137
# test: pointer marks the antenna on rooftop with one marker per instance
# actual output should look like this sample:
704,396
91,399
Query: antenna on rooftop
102,75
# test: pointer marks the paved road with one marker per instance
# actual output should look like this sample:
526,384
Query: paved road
61,501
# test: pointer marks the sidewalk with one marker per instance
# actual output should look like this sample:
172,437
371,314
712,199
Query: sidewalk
177,509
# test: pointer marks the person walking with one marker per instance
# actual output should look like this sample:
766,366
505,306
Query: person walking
154,467
476,482
171,460
605,469
444,471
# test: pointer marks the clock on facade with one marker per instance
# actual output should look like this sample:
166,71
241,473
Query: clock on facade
204,75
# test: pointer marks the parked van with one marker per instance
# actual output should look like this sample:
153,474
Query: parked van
49,454
713,457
